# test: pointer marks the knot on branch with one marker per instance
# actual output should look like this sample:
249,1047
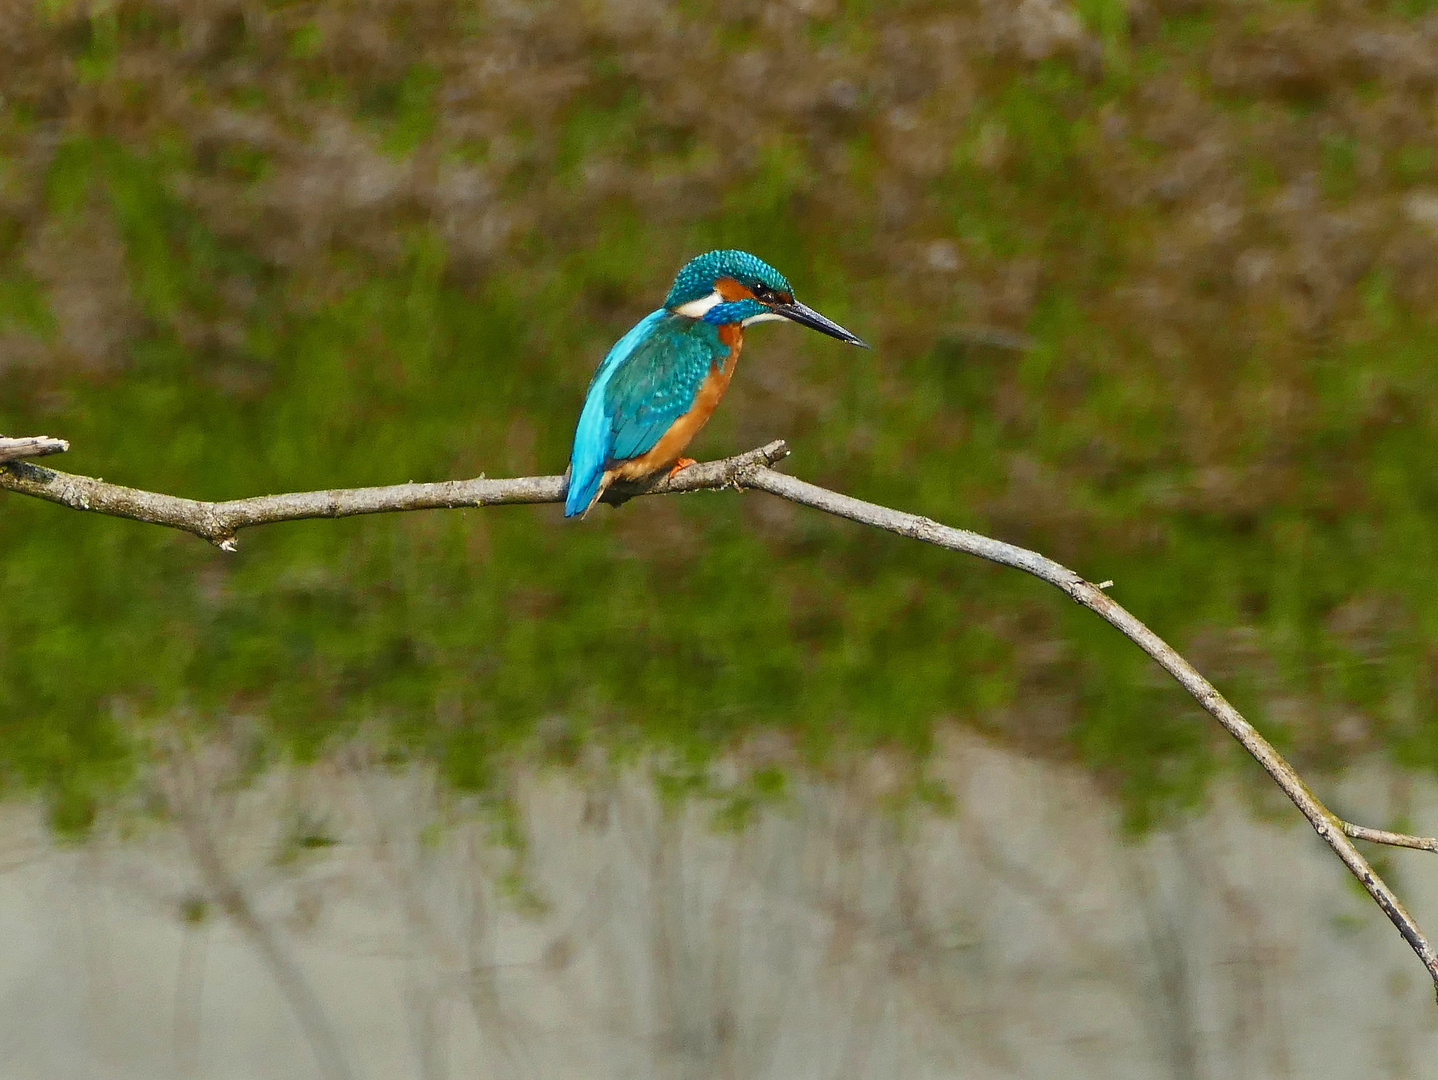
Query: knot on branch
705,476
737,468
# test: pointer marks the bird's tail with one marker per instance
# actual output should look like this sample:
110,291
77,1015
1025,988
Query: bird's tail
583,490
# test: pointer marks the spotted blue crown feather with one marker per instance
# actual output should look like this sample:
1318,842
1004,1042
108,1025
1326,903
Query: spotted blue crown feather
696,279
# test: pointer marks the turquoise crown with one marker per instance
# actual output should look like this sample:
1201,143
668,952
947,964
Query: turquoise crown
696,280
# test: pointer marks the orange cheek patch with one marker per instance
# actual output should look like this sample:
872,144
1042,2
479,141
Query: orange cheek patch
731,290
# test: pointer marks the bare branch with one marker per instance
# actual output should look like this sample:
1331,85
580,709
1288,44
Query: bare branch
35,446
219,522
1328,826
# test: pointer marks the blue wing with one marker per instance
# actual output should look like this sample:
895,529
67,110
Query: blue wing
648,380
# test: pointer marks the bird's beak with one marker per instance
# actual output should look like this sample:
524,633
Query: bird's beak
807,316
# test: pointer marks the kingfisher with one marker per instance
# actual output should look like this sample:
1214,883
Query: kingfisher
661,381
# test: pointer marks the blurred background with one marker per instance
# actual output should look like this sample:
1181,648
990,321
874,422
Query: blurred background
713,785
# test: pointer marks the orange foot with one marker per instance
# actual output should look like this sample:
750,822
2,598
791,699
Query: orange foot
682,463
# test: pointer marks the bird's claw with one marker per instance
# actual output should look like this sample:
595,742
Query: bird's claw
682,463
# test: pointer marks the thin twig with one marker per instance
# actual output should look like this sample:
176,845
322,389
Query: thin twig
219,522
1393,839
35,446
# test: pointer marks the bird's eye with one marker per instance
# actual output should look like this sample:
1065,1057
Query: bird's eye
764,293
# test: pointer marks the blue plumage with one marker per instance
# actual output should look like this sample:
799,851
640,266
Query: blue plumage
657,386
648,380
657,382
592,436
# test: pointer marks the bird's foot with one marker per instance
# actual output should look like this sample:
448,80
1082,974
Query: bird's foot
682,463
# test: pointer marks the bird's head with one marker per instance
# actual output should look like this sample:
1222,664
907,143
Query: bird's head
727,287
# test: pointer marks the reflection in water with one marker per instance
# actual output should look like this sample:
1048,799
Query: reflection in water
346,921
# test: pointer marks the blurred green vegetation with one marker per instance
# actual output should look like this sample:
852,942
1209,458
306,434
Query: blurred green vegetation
1307,587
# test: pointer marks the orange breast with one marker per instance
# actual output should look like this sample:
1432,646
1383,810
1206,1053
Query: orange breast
672,443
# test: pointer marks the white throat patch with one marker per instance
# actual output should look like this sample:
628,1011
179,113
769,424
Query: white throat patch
697,309
764,316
